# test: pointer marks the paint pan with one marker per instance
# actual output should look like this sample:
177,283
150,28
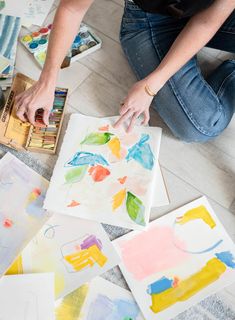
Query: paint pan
24,136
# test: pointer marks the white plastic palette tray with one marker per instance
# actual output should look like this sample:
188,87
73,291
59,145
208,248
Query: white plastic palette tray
85,43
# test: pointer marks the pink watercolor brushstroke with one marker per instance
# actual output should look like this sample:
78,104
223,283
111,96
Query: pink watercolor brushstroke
152,251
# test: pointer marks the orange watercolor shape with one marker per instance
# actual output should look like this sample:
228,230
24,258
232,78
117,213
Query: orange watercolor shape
122,180
7,223
98,173
104,128
73,204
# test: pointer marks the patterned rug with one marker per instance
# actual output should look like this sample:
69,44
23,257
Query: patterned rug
219,306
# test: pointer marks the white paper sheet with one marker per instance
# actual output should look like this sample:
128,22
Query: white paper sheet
14,8
177,261
22,192
27,297
105,174
36,12
62,236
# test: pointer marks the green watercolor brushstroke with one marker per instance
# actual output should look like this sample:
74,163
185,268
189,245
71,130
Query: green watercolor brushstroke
71,305
2,5
135,209
76,174
97,139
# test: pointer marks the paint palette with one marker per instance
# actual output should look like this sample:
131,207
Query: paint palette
38,40
18,135
84,43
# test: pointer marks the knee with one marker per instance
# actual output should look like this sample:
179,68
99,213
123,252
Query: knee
183,128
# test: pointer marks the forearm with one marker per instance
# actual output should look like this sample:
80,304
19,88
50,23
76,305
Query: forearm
196,34
65,26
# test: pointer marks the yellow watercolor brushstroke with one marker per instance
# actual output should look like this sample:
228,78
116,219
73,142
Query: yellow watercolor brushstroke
118,199
71,305
59,283
115,147
16,267
197,213
87,257
188,287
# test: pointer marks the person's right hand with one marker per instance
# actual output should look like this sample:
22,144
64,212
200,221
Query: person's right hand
39,96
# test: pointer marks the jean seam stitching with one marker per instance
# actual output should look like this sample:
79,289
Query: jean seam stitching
222,86
228,31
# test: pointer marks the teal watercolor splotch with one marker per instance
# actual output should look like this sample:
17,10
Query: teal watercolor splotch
227,258
104,308
86,158
160,285
141,152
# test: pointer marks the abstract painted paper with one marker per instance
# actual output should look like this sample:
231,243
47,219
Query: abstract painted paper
98,300
9,31
105,174
178,260
27,297
22,192
76,250
36,11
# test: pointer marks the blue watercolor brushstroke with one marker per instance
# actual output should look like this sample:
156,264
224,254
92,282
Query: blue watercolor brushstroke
86,158
9,31
227,258
160,285
104,308
35,208
142,153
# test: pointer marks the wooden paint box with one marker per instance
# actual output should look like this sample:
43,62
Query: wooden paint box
23,136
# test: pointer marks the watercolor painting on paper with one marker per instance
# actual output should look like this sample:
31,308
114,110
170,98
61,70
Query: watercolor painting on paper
76,250
102,165
22,192
27,297
169,267
98,300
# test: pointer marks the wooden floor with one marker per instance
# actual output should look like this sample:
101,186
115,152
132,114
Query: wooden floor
100,81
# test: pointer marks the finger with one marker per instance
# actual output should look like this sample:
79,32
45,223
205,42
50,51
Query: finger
21,113
123,118
46,115
124,108
31,115
146,118
132,122
19,96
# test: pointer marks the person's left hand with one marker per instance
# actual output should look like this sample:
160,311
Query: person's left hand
136,103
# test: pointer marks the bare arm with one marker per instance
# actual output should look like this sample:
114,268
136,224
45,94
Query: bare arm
65,26
196,34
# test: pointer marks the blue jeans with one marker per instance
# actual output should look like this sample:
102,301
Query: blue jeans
195,109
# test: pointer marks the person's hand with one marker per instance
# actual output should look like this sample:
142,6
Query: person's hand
39,96
137,102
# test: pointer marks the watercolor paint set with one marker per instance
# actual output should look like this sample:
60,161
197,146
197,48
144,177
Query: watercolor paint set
84,43
24,136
